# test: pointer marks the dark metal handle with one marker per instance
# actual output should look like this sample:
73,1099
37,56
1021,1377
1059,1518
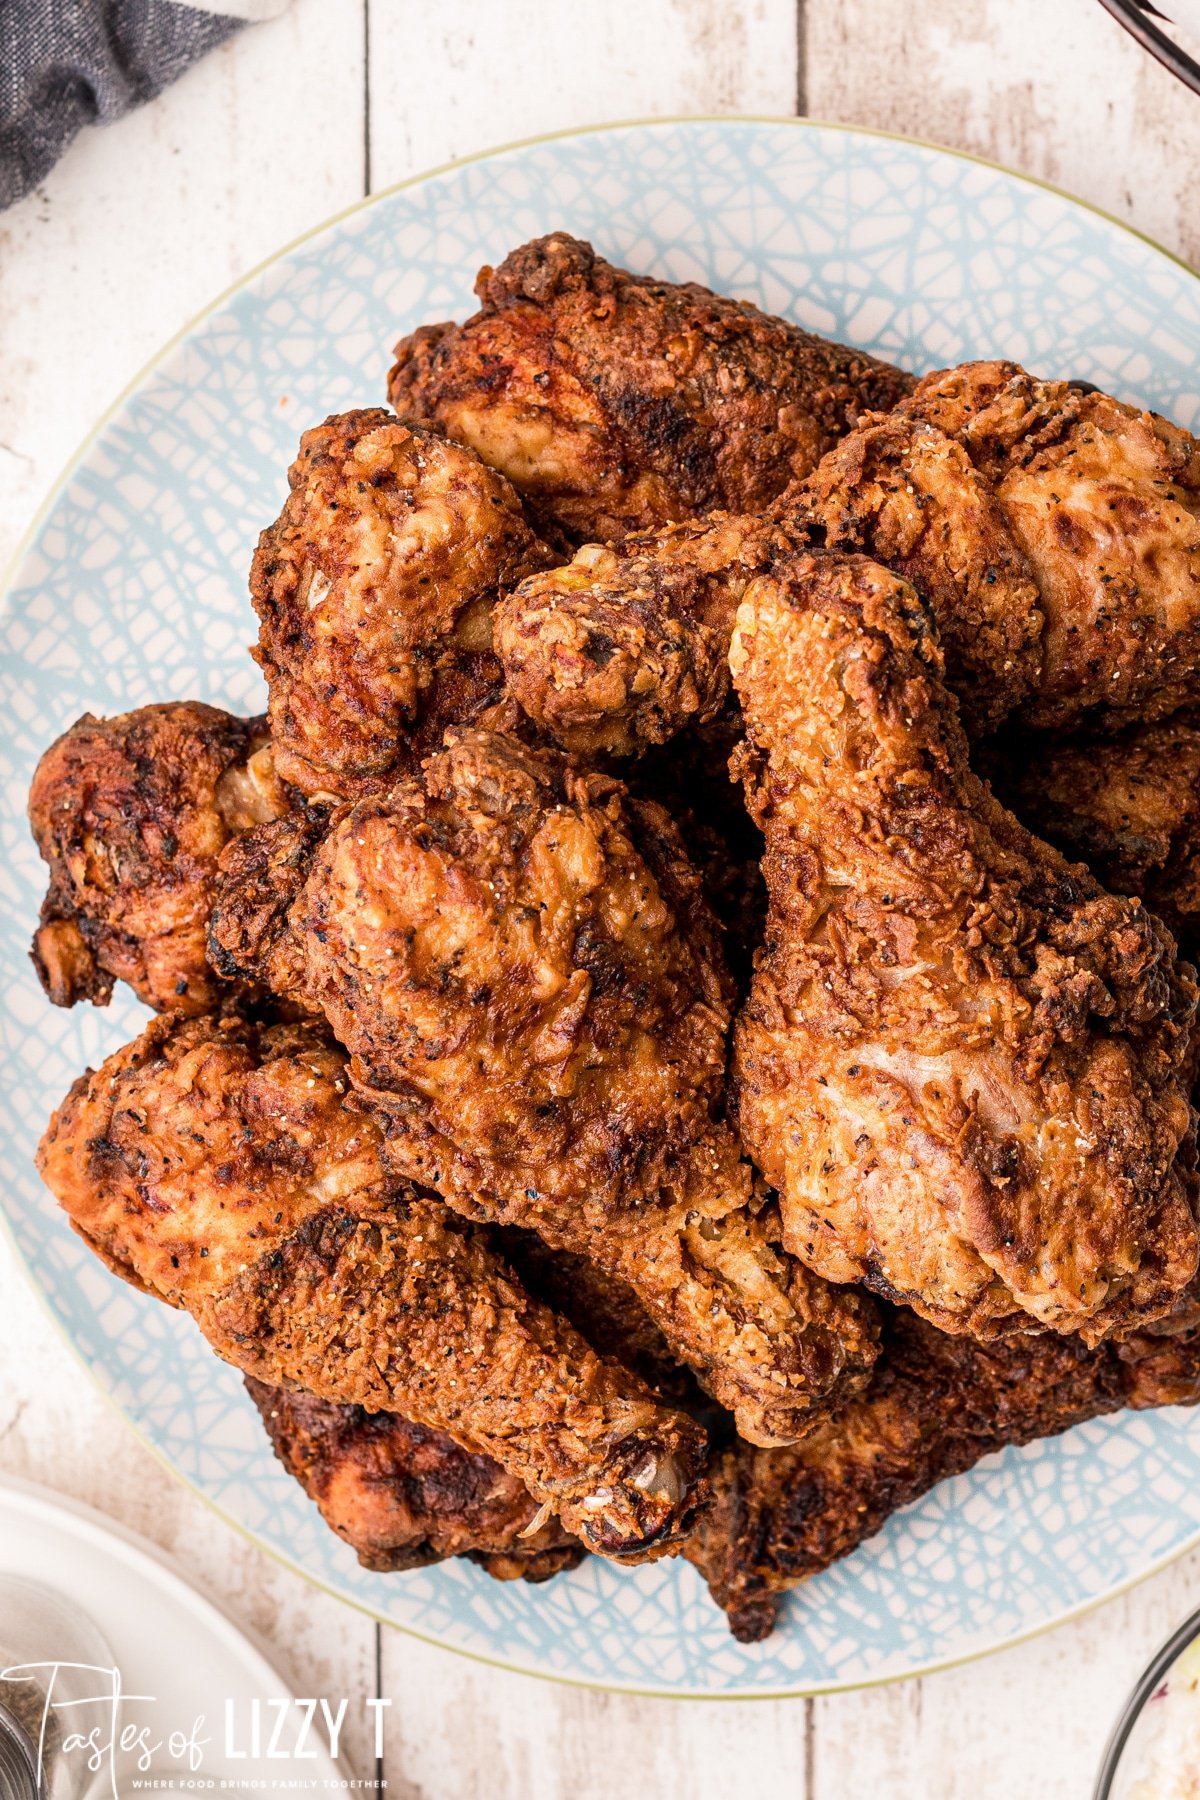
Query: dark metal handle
1134,15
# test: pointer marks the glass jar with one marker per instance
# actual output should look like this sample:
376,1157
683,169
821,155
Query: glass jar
52,1660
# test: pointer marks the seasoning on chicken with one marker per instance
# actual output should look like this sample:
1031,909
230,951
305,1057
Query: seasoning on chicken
625,647
520,960
615,402
374,589
935,1407
1103,502
910,497
1053,534
604,1311
404,1496
216,1165
131,814
961,1061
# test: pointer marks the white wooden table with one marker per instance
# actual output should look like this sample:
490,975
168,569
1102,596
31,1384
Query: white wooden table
139,227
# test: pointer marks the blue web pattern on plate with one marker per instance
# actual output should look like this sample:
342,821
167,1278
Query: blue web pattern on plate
134,590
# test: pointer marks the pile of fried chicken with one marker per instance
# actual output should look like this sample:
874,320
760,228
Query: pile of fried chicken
673,1032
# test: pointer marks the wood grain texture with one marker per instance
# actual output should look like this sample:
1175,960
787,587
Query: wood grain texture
455,78
1054,88
1032,1720
143,223
474,1734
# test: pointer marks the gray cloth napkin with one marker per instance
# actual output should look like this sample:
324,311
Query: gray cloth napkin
69,63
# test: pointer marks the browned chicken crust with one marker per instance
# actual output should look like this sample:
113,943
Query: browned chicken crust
403,1496
522,964
374,589
1128,806
960,1063
261,873
131,814
616,402
1103,501
1054,535
935,1407
908,495
216,1164
606,1312
625,647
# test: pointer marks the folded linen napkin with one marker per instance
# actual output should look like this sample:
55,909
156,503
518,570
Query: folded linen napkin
69,63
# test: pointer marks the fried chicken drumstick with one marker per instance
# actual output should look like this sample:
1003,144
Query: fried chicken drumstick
131,814
910,497
1053,534
960,1060
374,589
520,961
614,402
215,1164
935,1407
627,646
1128,806
1103,502
403,1496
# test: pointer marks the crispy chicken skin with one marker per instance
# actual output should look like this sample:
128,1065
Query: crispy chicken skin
1103,501
216,1164
403,1496
261,874
616,402
603,1310
374,590
935,1407
1128,806
960,1060
1054,535
521,962
131,814
909,496
626,646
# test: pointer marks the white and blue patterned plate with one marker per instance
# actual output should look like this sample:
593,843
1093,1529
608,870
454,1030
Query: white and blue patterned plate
133,588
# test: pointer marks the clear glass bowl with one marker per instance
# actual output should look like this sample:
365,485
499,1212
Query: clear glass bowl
53,1660
1160,1720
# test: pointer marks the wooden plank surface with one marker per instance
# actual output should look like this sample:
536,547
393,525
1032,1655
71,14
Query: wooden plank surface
461,77
142,224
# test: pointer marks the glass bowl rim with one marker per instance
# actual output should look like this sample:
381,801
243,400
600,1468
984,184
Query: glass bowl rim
1146,1685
